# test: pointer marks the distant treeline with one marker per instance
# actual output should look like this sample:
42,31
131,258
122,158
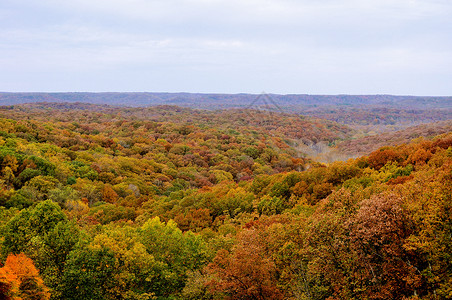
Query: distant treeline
218,101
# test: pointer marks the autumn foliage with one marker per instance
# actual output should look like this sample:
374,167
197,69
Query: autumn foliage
100,202
20,280
247,272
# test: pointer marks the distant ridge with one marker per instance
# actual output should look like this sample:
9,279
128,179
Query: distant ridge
292,102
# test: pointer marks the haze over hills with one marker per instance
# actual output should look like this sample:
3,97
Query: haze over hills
215,101
368,144
365,112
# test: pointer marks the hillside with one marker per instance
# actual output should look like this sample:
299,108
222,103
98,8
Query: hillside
105,202
282,125
368,144
363,112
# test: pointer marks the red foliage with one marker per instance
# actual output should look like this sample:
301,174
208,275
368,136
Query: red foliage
380,157
246,273
378,232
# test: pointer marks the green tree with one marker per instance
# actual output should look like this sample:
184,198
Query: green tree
31,222
177,252
88,274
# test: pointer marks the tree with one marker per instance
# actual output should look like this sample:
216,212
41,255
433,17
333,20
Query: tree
51,252
24,280
9,285
8,176
428,199
245,273
108,194
379,158
11,162
114,265
134,268
378,232
31,222
177,253
88,274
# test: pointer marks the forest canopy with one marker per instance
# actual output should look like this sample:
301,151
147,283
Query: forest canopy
102,202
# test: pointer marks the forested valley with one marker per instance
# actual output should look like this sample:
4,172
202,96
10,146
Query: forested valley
165,202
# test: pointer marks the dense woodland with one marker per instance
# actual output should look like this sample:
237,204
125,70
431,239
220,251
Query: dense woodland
101,202
367,144
366,112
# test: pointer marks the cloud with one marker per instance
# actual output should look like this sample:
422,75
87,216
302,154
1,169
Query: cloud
238,44
249,11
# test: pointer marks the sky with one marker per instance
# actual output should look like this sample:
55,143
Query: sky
400,47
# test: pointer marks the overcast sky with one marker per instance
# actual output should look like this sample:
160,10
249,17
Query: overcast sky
401,47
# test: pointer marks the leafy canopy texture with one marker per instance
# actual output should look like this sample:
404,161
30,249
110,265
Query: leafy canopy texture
110,203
